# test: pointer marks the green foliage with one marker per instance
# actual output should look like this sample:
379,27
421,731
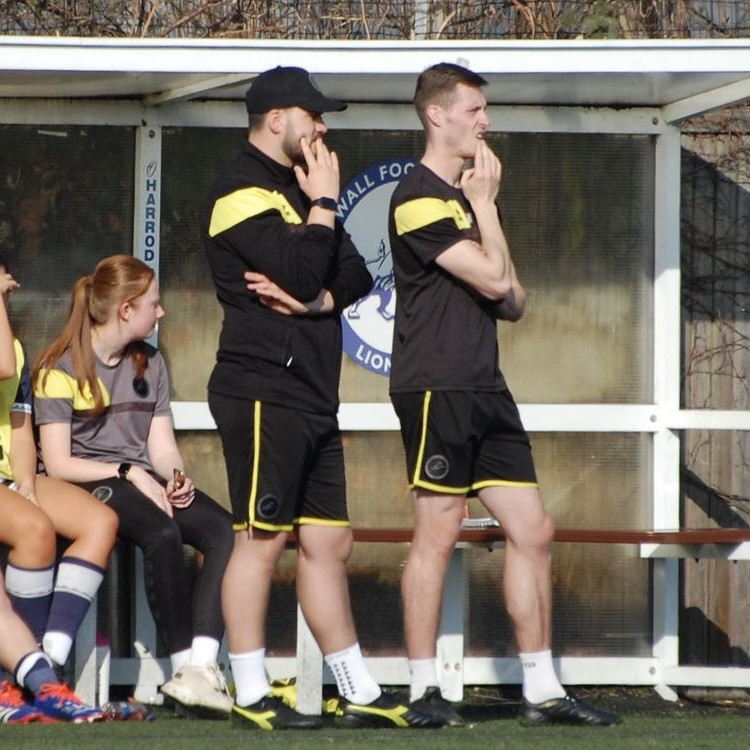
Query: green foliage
601,21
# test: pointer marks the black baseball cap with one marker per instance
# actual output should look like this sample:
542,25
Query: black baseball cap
283,87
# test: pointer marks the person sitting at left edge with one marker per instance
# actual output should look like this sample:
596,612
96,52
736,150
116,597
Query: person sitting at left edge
20,653
30,534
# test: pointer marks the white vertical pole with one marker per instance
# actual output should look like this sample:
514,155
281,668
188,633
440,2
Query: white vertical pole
309,668
147,198
450,642
666,446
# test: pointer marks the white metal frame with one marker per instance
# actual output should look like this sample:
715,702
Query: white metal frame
663,418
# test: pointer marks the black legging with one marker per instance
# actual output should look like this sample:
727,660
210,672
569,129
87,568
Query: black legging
204,525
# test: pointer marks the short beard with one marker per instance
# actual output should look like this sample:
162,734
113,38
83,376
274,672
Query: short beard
293,150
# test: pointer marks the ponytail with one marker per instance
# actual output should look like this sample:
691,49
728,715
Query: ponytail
116,279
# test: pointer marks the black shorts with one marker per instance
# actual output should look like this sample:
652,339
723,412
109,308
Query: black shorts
284,467
458,442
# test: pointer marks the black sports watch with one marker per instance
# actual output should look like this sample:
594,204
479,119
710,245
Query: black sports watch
123,469
328,203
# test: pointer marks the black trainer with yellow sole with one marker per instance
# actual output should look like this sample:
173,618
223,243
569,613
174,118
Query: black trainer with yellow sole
286,689
567,710
432,710
271,713
385,711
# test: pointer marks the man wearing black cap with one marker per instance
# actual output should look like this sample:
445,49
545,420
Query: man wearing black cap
274,392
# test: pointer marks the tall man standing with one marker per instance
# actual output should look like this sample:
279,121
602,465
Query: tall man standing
274,392
460,426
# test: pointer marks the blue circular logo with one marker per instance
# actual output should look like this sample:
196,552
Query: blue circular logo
363,207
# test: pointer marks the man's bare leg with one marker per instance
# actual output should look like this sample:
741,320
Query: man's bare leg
323,594
436,529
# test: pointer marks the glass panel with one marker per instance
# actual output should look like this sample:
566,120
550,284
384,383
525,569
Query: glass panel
601,592
601,600
66,200
715,606
578,211
189,333
715,293
204,463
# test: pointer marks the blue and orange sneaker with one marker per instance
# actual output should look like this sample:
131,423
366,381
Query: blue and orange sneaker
58,701
13,708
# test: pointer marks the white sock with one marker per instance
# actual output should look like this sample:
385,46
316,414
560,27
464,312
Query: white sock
353,680
250,680
179,659
203,651
57,646
422,674
25,665
540,682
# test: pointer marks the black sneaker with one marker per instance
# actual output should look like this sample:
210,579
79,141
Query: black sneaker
567,710
385,711
271,713
432,710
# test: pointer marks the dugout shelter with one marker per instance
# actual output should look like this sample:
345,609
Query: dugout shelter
109,145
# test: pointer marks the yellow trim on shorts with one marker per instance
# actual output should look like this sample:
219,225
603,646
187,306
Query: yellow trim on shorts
443,489
422,437
501,483
272,526
310,521
261,526
256,464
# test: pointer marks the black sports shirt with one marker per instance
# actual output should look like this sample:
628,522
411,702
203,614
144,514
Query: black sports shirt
445,334
256,221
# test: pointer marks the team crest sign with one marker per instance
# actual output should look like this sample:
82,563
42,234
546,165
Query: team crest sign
363,208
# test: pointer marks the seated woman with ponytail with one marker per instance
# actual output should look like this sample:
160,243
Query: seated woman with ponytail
102,405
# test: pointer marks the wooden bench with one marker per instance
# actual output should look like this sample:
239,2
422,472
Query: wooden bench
93,667
671,542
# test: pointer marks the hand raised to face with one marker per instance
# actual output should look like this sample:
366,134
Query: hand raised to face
322,179
482,181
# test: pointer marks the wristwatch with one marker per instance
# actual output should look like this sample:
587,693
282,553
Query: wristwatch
123,469
328,203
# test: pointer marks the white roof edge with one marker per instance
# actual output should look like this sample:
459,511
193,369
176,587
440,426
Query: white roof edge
217,56
538,44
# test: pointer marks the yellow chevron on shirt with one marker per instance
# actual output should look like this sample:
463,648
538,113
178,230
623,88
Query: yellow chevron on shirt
59,384
421,212
246,203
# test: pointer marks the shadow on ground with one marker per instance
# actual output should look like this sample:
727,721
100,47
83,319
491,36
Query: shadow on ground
493,703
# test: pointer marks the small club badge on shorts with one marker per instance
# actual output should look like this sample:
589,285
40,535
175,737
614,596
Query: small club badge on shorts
436,467
268,507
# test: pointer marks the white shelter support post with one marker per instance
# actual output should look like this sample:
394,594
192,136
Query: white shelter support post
147,203
450,642
309,668
666,445
150,673
84,657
